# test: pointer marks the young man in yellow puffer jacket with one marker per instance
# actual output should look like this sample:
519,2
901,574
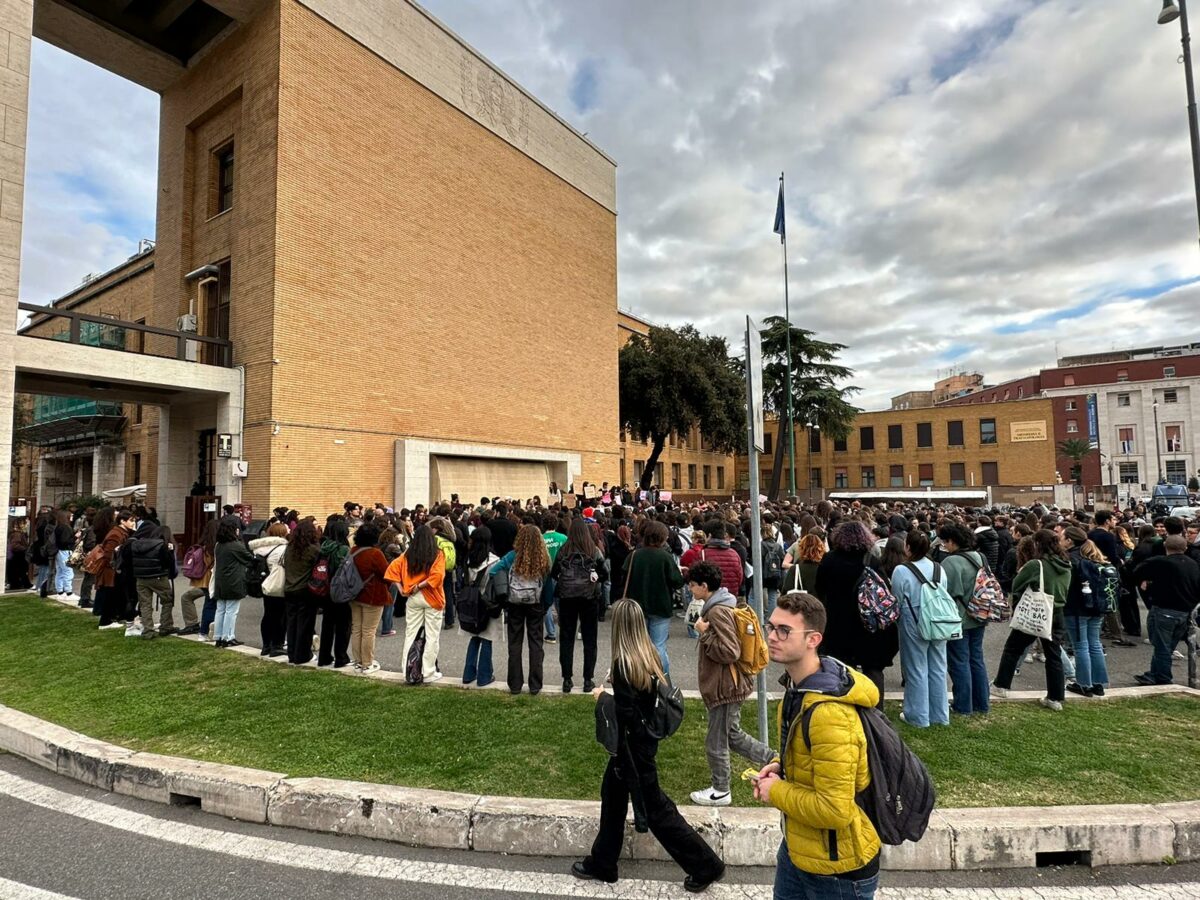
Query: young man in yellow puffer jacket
829,843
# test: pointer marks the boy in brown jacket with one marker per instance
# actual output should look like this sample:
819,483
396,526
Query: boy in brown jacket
723,686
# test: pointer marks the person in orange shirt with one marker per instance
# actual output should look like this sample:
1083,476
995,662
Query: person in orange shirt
419,572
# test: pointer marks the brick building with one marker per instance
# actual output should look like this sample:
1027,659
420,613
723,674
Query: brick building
390,235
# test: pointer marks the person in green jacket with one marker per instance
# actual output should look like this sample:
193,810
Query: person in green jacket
334,648
1043,561
651,578
964,657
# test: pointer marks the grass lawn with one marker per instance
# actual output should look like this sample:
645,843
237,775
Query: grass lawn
187,699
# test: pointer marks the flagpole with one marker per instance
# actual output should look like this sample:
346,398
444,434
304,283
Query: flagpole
787,315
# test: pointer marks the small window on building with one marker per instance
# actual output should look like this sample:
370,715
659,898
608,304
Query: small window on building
954,433
866,437
1020,393
224,174
868,476
958,474
924,434
708,478
659,474
1125,439
896,473
1071,405
841,478
1174,435
720,478
136,468
895,437
768,443
1007,394
1068,380
1171,396
987,431
1072,426
1176,471
1128,473
1122,400
925,474
1168,371
814,478
691,476
676,476
839,445
814,441
638,466
1122,375
991,473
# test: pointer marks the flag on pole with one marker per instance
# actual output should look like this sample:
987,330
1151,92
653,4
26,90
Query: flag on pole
780,226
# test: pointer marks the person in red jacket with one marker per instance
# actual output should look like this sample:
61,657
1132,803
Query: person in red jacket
717,550
367,608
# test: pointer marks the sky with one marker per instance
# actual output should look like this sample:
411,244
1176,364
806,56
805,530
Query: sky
980,185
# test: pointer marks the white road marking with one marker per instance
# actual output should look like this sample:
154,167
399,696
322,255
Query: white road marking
14,890
359,865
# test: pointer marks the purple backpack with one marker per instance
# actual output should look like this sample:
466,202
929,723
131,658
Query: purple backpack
193,563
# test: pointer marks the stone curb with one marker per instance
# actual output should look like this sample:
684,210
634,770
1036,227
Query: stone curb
390,676
956,839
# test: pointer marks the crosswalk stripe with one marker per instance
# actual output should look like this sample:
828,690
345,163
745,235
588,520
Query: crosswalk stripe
343,862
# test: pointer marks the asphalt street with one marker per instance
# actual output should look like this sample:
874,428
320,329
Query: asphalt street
59,839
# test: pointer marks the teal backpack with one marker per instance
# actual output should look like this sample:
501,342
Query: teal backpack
939,618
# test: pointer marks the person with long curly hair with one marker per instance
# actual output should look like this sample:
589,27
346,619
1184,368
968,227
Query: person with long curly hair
528,565
420,572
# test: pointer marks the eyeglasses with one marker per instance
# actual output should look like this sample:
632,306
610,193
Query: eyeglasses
785,631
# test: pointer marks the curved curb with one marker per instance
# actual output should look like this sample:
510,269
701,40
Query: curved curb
957,838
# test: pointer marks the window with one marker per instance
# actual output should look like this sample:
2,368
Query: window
924,434
1126,440
1176,471
1171,396
638,466
1020,393
216,311
1072,426
1122,375
1122,399
676,476
897,475
137,468
659,474
224,173
1128,473
925,474
1071,405
1068,380
814,442
954,433
814,478
1006,394
868,476
991,473
768,442
1174,438
720,478
895,437
841,478
691,476
839,445
1168,371
866,437
987,431
958,474
708,478
622,437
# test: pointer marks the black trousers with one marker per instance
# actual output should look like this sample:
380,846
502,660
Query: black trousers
449,588
18,571
1014,649
634,773
109,604
335,634
274,623
301,612
582,614
1131,613
525,622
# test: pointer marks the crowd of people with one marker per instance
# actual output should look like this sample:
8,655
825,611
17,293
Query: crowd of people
566,567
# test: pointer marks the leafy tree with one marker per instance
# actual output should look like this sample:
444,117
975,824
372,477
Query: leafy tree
1076,450
817,398
674,379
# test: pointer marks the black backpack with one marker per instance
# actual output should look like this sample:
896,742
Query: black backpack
772,561
575,578
667,715
471,606
675,542
900,797
256,574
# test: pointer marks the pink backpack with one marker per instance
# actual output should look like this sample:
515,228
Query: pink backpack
193,563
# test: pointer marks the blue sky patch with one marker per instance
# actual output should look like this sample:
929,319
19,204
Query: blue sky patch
974,44
1077,310
585,86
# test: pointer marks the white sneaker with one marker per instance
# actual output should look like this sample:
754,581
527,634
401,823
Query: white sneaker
999,691
1054,705
70,597
371,669
1175,654
709,797
111,625
436,676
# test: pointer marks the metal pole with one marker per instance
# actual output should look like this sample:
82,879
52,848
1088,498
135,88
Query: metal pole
1157,446
756,597
787,316
1193,129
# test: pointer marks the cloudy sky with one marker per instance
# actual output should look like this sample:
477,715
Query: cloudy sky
971,184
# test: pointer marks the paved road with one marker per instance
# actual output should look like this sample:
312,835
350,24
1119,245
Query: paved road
61,840
1123,662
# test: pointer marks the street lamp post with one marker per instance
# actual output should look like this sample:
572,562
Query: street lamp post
1157,445
1171,12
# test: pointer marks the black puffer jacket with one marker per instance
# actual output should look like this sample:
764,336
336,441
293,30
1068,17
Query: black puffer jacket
148,553
987,542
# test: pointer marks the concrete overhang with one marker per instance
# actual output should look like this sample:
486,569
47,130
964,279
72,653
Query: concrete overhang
149,42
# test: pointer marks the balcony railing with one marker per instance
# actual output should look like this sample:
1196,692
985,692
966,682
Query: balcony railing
82,327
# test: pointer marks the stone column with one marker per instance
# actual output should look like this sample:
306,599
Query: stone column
16,34
176,471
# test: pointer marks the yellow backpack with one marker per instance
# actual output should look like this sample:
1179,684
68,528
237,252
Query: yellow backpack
754,657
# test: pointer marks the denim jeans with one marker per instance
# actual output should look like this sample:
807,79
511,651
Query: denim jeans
550,598
660,629
793,884
770,598
1167,627
63,575
42,578
479,662
1090,667
226,620
924,664
388,622
968,672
